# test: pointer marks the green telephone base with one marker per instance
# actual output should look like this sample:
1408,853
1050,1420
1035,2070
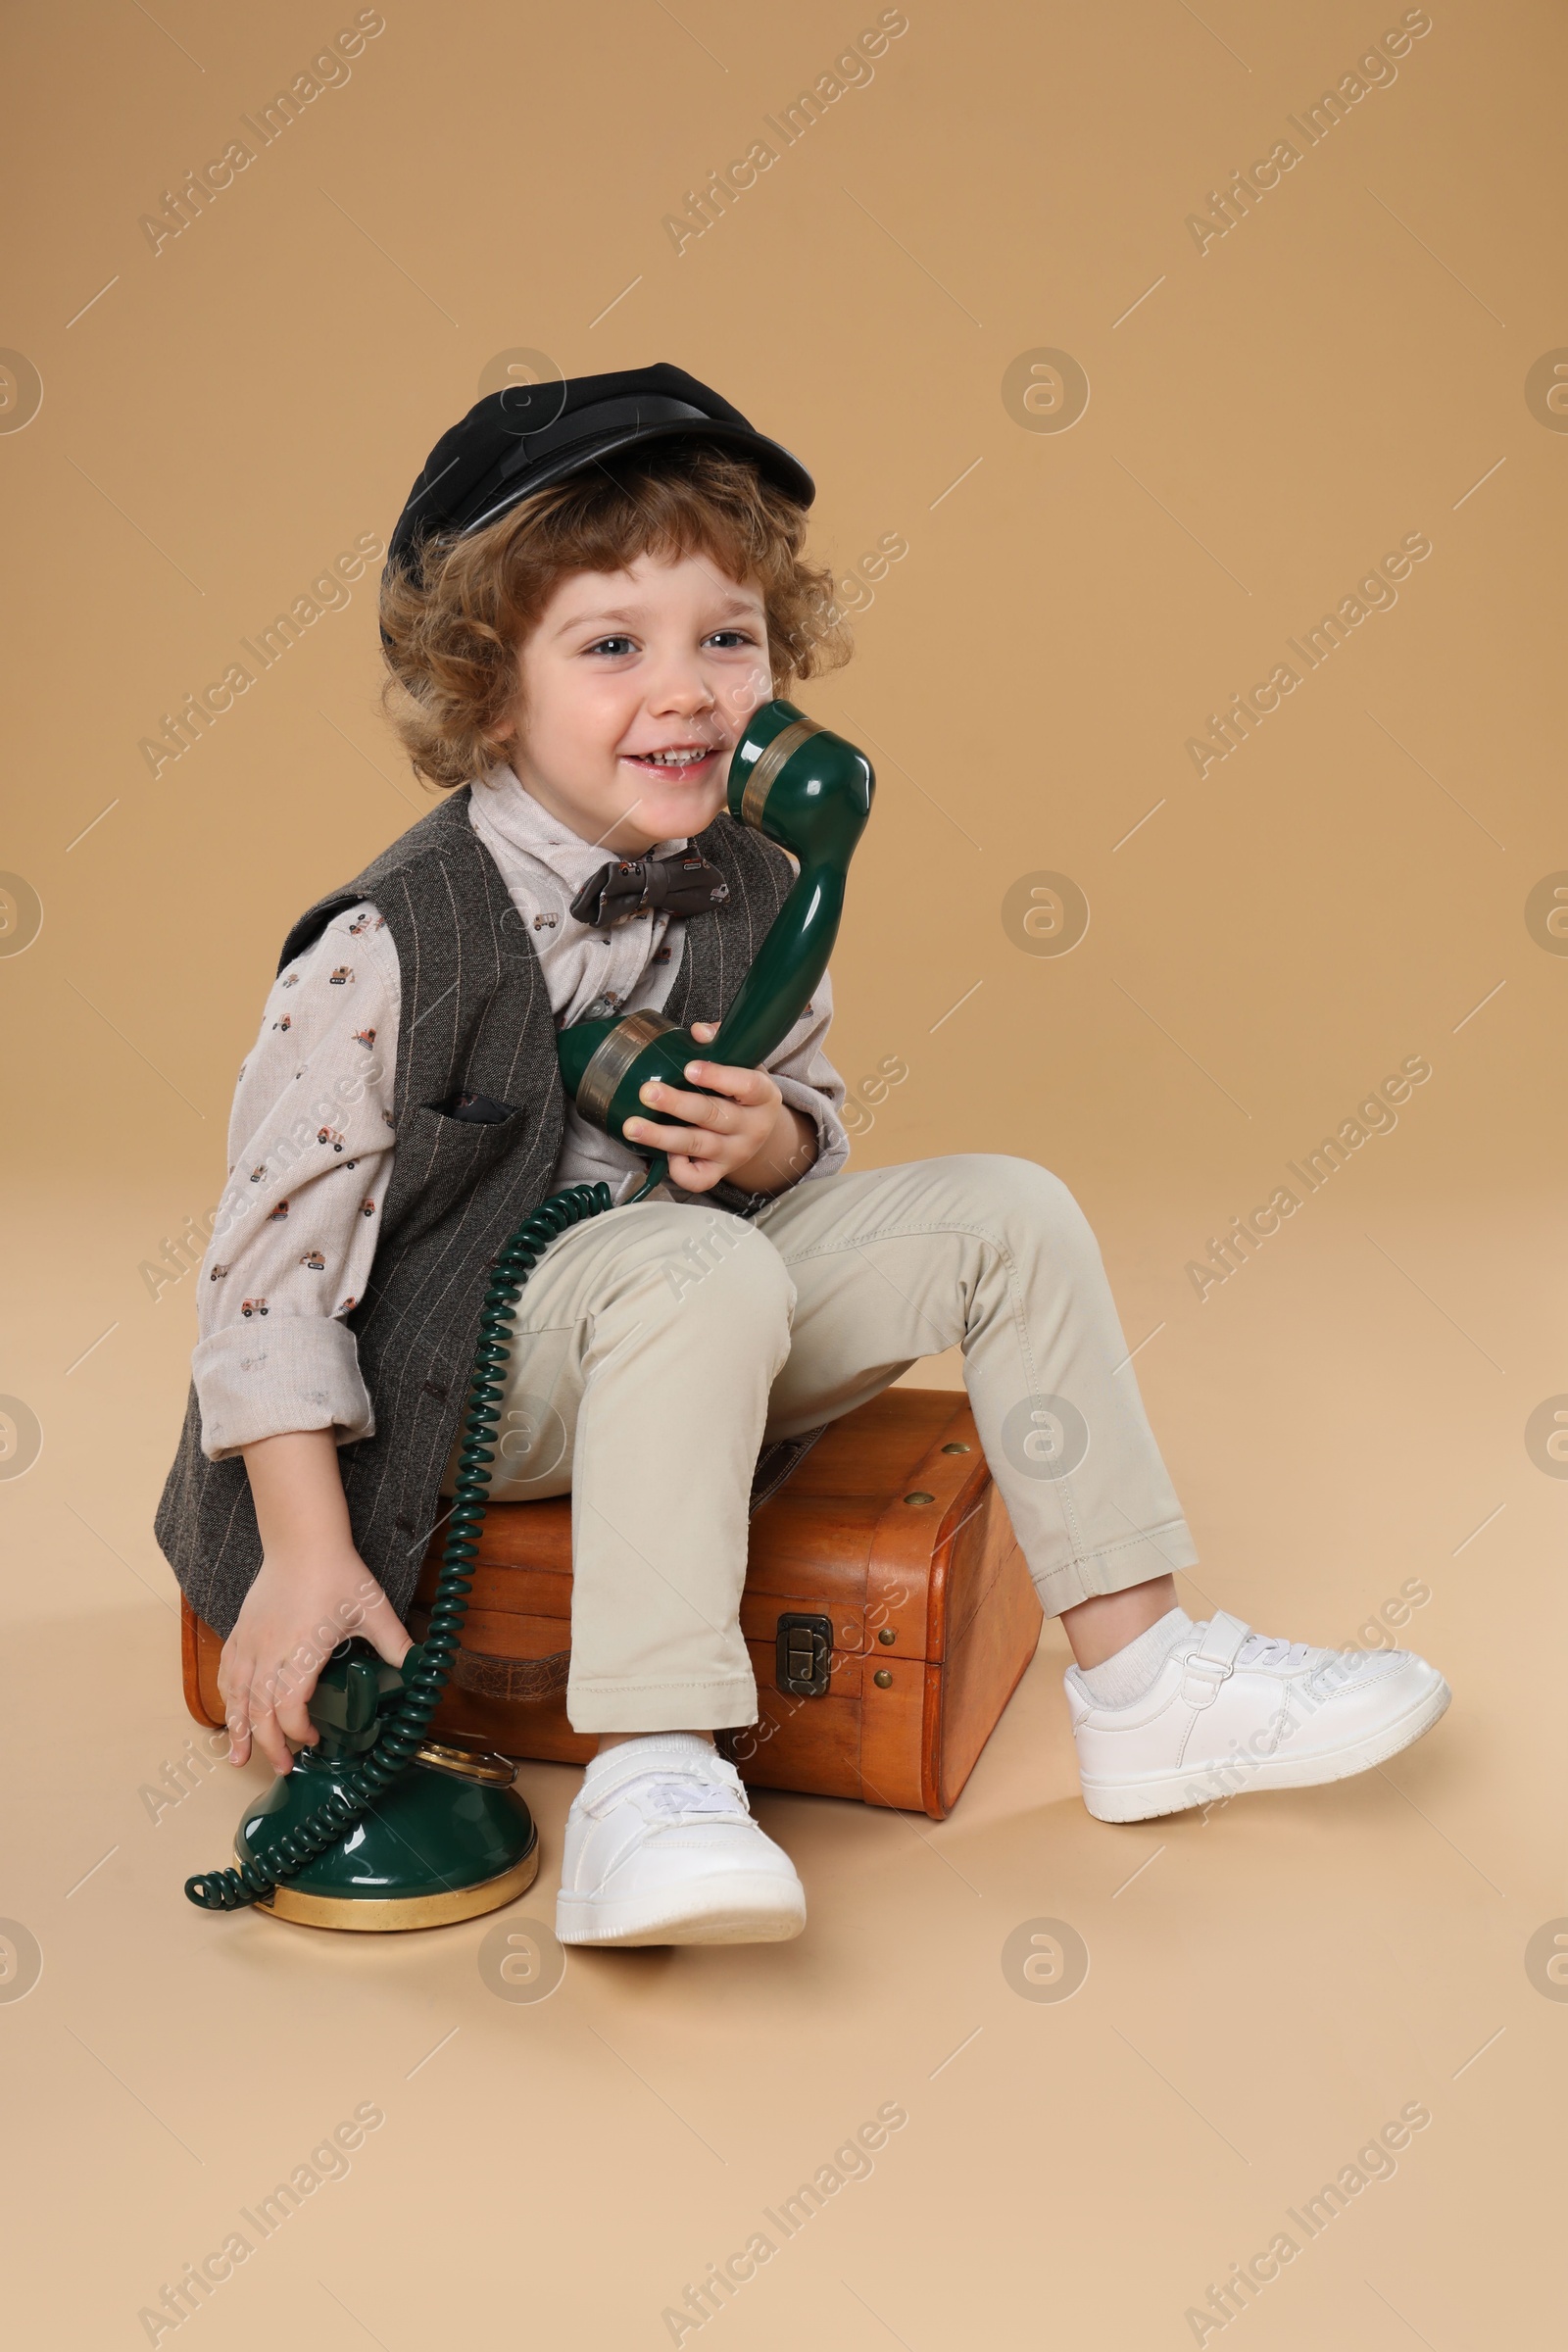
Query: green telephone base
449,1839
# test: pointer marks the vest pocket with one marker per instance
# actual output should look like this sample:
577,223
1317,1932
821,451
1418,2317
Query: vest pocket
473,1110
450,1156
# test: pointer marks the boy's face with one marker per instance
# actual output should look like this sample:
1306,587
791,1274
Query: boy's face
660,657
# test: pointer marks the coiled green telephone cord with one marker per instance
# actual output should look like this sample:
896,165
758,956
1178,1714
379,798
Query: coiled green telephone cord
405,1729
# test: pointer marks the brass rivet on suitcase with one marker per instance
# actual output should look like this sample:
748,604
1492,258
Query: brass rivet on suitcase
882,1679
954,1448
886,1634
919,1495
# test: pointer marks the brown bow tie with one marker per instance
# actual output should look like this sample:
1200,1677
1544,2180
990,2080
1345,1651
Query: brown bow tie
681,884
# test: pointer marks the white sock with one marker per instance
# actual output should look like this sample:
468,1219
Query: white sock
655,1751
1131,1671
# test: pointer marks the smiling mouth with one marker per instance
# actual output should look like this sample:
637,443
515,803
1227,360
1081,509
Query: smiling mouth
688,759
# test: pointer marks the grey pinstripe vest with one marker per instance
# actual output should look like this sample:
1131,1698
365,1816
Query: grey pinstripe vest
475,1017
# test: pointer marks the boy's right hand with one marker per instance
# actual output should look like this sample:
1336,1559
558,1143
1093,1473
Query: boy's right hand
298,1609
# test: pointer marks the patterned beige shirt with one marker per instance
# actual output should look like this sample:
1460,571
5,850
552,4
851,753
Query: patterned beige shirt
310,1136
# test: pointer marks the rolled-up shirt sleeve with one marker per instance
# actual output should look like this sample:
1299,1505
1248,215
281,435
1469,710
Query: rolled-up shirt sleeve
808,1083
310,1143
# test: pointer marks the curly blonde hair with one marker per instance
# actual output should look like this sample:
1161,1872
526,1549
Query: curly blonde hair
454,624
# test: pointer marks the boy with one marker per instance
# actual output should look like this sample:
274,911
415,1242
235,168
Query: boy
591,588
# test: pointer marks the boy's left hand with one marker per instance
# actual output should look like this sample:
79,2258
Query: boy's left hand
744,1130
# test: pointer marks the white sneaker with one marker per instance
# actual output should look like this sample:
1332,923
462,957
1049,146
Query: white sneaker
1231,1711
661,1847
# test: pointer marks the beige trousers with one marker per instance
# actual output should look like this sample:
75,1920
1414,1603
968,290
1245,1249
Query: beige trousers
660,1346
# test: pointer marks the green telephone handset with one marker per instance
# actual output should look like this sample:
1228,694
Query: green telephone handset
378,1826
810,791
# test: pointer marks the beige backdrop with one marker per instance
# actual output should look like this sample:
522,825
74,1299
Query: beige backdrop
1140,427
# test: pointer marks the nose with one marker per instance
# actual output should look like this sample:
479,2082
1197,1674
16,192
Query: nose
680,687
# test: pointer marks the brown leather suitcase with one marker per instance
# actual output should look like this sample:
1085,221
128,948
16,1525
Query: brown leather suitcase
888,1610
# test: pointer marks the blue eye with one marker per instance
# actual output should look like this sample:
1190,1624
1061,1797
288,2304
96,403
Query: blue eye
604,640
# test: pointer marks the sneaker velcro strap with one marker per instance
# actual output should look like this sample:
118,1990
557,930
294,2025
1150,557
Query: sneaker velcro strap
1213,1662
606,1787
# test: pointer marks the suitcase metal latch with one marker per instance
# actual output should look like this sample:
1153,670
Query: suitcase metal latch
805,1654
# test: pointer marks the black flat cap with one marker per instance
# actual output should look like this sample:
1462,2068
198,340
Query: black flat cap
523,438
